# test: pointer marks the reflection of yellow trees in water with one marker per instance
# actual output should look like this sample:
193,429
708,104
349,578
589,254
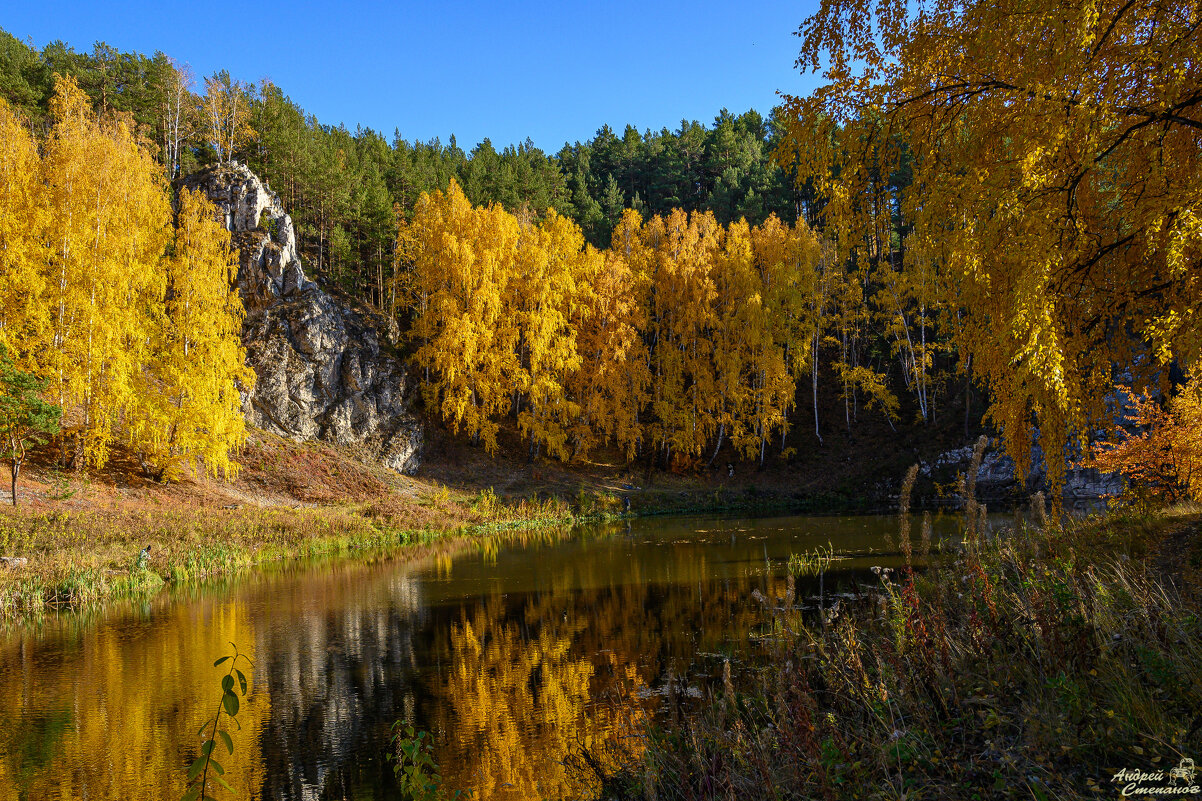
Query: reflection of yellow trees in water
65,739
581,660
514,658
516,704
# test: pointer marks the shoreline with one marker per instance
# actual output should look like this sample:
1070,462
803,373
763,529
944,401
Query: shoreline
1103,611
54,582
191,545
60,579
81,534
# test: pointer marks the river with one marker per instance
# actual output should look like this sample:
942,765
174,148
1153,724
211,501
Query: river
511,655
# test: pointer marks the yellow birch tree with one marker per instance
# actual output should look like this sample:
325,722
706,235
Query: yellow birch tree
458,281
1056,156
545,298
108,224
612,383
189,404
23,316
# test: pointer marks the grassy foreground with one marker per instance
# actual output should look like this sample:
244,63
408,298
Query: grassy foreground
77,539
1033,663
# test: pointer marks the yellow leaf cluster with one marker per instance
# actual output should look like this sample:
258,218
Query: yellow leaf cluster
1046,161
189,402
125,315
1162,460
678,337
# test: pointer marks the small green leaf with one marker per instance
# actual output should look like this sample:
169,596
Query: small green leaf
241,680
229,744
230,702
191,795
201,731
215,765
206,748
196,768
219,661
224,784
227,683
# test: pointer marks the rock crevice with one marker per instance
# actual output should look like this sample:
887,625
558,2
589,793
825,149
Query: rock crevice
322,370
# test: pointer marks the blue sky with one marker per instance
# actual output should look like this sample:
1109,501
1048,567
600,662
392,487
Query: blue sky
553,72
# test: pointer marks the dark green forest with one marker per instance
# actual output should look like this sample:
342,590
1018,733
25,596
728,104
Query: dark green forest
345,188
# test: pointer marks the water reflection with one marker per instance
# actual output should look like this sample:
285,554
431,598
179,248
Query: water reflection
514,657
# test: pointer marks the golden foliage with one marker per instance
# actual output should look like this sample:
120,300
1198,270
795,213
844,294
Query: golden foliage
108,225
1053,185
462,259
189,404
1163,460
676,338
612,384
137,330
22,257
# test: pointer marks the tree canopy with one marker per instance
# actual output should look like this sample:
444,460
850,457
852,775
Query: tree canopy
124,314
1044,160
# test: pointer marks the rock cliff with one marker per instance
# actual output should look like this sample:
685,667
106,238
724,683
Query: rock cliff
322,370
997,477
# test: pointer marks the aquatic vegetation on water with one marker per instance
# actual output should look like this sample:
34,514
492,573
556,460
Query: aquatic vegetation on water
812,563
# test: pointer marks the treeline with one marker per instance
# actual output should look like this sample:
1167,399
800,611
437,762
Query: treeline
343,187
863,320
122,307
685,334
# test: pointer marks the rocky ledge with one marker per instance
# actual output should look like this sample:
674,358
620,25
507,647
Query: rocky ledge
997,477
322,371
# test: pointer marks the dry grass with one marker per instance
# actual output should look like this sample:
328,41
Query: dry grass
1032,664
80,534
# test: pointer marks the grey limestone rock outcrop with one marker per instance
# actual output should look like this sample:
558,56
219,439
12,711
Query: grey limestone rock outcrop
997,478
322,371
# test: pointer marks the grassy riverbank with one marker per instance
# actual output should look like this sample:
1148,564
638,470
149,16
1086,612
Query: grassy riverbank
79,559
77,539
1034,664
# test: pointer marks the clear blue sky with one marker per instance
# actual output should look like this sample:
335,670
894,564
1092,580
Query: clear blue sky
552,71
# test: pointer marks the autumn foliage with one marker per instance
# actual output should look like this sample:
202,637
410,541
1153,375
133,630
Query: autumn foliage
1162,458
682,336
1030,170
130,316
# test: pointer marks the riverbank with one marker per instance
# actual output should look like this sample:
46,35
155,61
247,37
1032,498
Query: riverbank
80,539
1034,663
77,537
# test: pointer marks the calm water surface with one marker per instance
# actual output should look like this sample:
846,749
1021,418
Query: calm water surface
511,656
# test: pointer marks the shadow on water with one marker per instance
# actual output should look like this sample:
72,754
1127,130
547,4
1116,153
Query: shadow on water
513,655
